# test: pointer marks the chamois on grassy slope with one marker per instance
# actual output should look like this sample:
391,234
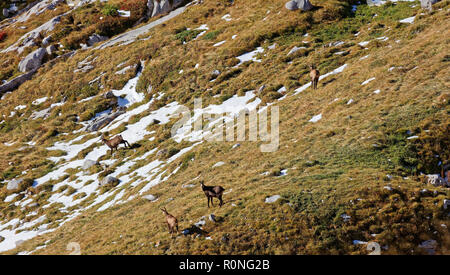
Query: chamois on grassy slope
171,221
114,142
213,192
314,74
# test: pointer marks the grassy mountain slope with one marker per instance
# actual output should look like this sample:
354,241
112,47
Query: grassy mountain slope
340,165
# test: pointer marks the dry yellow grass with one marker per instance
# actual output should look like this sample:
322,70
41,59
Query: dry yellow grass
333,167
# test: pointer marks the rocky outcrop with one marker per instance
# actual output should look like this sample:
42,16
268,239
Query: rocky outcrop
428,4
16,82
304,5
98,122
109,180
157,7
95,38
33,60
14,184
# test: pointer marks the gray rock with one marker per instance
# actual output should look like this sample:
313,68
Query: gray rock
291,5
51,49
32,61
212,218
215,73
109,180
89,163
295,49
14,184
428,4
2,239
150,7
446,204
304,5
161,152
47,40
98,122
272,199
429,246
16,82
261,89
437,180
150,198
109,95
95,38
5,12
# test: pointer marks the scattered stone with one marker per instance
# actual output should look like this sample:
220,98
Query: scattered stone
185,232
161,152
32,61
446,204
109,180
16,82
51,49
428,4
429,246
388,188
109,95
98,122
272,199
236,146
345,217
95,38
47,40
261,89
437,180
14,184
212,218
2,239
304,5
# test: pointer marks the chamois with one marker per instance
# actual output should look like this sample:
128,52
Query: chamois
114,142
172,222
213,191
314,74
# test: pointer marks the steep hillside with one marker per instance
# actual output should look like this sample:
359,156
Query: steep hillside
353,156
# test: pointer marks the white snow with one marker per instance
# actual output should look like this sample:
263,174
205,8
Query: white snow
39,100
250,56
316,118
367,81
219,43
409,20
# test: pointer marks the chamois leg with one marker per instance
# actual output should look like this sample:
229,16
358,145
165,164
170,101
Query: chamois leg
208,201
317,82
221,201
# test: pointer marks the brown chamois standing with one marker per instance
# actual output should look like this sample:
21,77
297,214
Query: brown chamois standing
172,222
114,142
213,191
314,74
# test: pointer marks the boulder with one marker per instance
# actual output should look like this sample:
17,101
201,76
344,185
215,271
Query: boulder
95,38
304,5
14,184
16,82
291,5
428,4
51,49
33,60
109,180
98,122
150,7
47,40
89,163
437,180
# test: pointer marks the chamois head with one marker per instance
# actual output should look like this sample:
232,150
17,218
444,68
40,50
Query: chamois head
164,210
312,66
